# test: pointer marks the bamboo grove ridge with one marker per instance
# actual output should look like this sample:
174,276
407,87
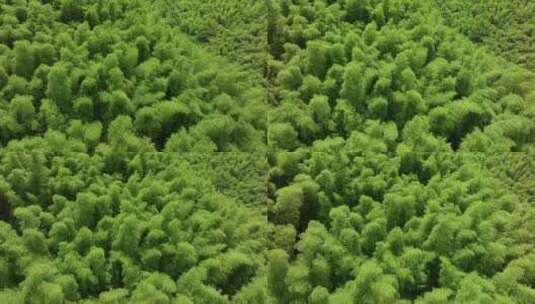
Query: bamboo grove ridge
267,151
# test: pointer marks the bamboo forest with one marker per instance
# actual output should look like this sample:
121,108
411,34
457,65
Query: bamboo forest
267,151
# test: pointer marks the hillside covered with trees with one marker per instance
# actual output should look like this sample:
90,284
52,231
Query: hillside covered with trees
267,151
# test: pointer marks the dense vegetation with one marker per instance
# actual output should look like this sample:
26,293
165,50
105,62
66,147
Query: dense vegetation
91,66
506,28
235,29
277,151
342,70
391,159
144,228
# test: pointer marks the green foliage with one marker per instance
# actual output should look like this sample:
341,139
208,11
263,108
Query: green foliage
278,151
25,59
127,238
59,88
372,286
393,61
95,62
232,28
502,27
420,233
